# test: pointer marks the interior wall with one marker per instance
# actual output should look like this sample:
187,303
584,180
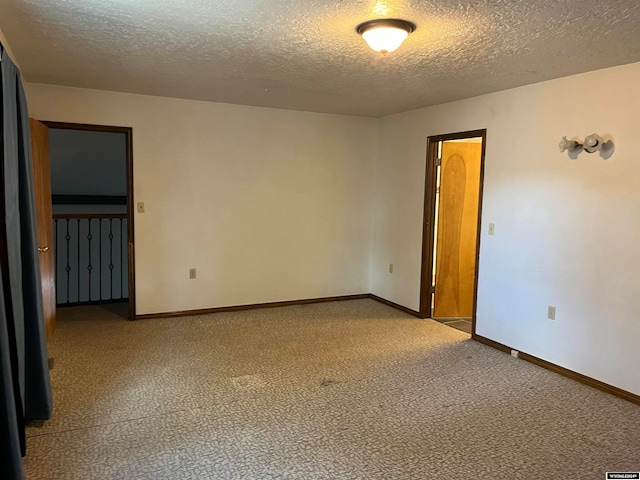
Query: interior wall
6,45
567,229
88,163
268,205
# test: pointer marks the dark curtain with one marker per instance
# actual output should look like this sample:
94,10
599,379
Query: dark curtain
25,389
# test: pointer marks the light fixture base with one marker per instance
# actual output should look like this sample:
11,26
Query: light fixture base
386,22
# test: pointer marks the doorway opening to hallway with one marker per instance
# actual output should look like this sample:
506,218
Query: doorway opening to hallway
451,238
87,177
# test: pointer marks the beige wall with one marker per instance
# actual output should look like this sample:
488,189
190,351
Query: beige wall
566,230
268,205
5,42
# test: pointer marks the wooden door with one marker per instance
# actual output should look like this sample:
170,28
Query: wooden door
457,230
42,184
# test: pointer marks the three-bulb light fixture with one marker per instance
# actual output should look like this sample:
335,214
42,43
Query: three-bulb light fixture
385,35
591,144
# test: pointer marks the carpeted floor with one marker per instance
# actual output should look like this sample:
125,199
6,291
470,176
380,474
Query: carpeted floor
345,390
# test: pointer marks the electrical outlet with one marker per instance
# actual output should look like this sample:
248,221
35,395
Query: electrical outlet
391,268
492,229
551,312
140,207
192,273
515,353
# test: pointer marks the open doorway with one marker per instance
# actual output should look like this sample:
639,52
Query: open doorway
92,192
451,240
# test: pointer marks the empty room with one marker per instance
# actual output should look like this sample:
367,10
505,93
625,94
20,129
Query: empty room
319,240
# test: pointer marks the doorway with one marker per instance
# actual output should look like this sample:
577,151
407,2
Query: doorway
451,234
92,206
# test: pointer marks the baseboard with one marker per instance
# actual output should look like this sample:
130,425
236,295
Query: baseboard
239,308
395,305
288,303
592,382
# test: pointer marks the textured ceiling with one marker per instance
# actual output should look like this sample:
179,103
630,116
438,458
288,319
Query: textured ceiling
305,54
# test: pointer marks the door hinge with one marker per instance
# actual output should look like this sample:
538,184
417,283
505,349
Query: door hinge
439,162
433,289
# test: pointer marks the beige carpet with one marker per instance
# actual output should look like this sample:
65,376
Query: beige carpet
345,390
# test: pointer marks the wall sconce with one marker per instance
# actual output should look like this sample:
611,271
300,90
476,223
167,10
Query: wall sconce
593,143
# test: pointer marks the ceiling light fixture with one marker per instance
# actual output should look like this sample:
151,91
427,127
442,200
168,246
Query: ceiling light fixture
385,35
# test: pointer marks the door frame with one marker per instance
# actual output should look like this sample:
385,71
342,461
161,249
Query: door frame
428,226
128,133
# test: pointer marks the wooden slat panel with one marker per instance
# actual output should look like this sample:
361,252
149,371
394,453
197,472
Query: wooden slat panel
457,229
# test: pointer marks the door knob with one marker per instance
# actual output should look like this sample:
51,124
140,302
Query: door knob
43,249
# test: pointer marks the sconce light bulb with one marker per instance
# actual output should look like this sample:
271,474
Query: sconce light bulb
567,144
593,143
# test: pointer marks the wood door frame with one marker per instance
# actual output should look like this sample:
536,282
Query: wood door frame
128,133
428,225
42,193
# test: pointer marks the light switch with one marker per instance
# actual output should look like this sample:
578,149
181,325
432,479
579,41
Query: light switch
492,229
140,207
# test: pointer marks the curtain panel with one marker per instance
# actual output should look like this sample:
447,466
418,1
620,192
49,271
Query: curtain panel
25,388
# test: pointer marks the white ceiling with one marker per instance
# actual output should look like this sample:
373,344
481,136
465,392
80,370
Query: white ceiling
306,55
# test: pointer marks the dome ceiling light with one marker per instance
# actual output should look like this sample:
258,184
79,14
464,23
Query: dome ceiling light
385,35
